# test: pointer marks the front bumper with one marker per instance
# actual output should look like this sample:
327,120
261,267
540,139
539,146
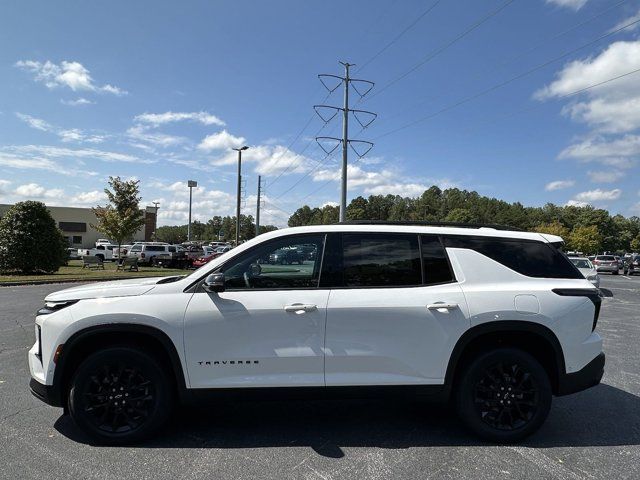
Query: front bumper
587,377
46,393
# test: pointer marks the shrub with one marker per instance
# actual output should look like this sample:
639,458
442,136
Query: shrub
30,241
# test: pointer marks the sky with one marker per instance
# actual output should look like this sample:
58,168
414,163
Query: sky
533,101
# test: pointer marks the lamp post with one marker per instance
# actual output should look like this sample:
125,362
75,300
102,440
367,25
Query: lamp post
239,150
191,184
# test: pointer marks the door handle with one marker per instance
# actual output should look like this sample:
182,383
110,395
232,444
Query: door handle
299,308
441,306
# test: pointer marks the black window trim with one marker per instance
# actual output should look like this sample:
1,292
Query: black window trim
195,285
423,284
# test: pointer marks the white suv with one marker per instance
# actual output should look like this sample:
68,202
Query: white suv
495,322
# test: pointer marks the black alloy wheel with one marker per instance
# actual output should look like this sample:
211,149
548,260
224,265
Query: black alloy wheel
120,395
503,395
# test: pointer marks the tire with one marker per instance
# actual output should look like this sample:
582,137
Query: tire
100,256
480,401
616,272
101,415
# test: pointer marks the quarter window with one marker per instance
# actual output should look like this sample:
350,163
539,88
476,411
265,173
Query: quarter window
284,263
434,261
381,260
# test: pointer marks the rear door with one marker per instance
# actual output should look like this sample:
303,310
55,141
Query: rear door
396,310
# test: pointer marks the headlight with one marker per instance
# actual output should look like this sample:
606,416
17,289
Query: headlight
50,307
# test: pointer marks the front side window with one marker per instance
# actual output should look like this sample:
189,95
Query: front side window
136,248
278,264
381,260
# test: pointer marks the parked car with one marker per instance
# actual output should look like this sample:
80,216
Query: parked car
632,266
492,322
200,261
103,241
286,257
103,251
72,254
220,250
620,261
587,269
606,263
124,249
147,250
175,257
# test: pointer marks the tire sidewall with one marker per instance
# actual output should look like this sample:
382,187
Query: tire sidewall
473,373
130,356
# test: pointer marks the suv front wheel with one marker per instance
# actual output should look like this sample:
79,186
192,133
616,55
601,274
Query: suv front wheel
504,395
120,395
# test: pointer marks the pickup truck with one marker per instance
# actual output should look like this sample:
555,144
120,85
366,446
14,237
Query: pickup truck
105,252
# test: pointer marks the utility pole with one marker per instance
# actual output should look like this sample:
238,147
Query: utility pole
191,184
239,150
359,115
258,207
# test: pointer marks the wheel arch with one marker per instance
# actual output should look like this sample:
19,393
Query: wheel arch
86,341
535,339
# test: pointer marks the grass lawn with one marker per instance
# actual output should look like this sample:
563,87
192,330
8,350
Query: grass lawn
74,271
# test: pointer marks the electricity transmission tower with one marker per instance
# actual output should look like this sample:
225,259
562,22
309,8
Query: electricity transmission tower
363,117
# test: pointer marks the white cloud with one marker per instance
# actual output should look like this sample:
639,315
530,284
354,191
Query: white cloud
559,185
141,133
606,176
157,119
576,203
77,102
91,198
599,148
221,141
612,108
627,21
18,162
36,123
572,4
57,152
598,195
72,75
33,190
66,135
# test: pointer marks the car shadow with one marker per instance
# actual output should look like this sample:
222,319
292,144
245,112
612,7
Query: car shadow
601,416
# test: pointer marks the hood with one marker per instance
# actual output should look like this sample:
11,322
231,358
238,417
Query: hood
587,271
117,288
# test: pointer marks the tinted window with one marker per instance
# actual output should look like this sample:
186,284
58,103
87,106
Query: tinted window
136,248
380,260
172,248
434,260
276,265
528,257
606,258
581,262
154,248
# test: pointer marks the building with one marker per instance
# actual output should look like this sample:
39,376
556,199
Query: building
75,224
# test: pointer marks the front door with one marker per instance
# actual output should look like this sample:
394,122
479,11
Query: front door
267,328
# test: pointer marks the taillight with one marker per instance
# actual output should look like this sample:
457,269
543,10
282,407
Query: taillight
591,294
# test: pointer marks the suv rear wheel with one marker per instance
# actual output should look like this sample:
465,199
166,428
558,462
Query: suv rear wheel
120,395
504,395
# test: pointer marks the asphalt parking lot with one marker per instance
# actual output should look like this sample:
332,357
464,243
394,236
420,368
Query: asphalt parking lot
593,434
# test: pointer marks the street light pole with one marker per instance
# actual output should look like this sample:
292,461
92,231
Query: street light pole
191,184
239,150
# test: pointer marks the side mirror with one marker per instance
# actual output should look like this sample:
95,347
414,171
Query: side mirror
214,283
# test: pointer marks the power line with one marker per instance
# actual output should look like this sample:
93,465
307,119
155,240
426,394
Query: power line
438,51
504,83
399,36
509,60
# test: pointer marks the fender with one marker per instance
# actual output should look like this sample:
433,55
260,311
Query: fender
504,327
55,392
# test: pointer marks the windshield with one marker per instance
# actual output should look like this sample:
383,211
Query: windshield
606,258
581,262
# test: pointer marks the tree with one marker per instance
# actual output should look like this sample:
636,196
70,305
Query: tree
172,233
553,228
635,244
122,218
30,241
586,239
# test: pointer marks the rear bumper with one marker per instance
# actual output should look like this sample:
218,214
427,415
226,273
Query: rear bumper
607,268
589,376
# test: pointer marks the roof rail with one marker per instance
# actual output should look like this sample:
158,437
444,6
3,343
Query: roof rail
432,224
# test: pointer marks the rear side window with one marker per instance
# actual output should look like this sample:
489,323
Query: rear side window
381,260
434,260
528,257
155,248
